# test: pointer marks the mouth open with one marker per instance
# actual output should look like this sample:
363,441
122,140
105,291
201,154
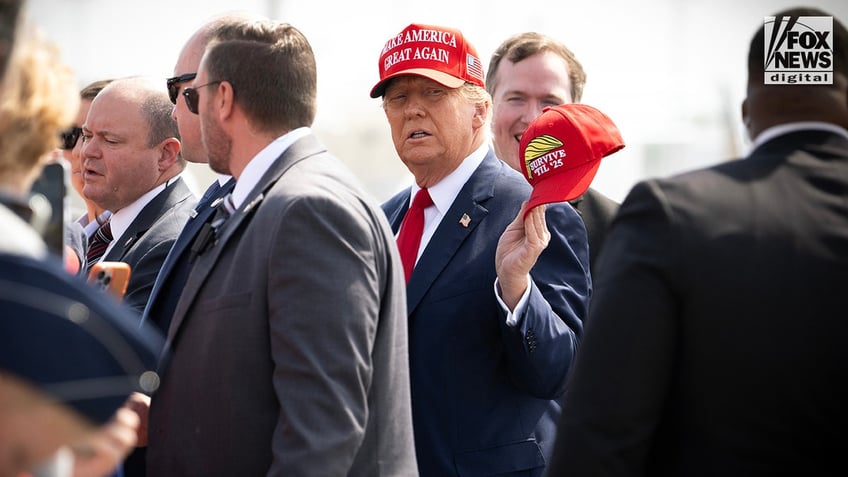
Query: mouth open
90,173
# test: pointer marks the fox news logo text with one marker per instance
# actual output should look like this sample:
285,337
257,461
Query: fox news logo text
798,50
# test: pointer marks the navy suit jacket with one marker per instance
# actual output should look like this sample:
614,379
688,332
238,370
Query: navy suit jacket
483,393
174,272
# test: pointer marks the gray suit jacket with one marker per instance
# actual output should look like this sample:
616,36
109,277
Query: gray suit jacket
287,353
145,244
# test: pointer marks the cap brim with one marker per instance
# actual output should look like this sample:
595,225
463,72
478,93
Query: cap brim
443,79
71,341
563,187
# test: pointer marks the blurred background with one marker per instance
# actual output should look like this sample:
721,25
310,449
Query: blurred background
670,73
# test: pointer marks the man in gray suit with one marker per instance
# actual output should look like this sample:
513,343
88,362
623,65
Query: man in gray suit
131,164
287,352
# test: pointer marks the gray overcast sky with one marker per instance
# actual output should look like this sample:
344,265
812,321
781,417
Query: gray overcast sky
670,73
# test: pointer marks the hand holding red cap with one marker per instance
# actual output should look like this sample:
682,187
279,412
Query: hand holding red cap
562,150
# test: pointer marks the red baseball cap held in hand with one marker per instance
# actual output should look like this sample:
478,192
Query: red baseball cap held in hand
562,150
434,52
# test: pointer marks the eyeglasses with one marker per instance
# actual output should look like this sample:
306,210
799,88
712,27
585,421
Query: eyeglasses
192,97
174,85
69,137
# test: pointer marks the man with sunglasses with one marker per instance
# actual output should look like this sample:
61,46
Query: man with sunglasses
78,232
172,276
71,146
288,348
175,270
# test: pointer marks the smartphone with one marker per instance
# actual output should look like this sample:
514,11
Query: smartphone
47,199
110,276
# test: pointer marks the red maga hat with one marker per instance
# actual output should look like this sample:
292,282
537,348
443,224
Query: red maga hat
434,52
562,150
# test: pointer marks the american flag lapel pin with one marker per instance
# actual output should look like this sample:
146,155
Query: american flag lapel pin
465,220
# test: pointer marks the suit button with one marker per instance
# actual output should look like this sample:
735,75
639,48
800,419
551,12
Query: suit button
530,338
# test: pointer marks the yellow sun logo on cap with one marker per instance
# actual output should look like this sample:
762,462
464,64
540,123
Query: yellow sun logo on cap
538,147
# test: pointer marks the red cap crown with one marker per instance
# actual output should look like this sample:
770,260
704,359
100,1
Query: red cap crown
562,150
438,53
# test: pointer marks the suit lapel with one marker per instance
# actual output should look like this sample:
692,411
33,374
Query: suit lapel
172,195
465,214
200,215
189,232
396,208
205,263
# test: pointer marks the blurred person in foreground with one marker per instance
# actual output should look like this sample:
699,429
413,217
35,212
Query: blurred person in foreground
68,359
71,367
287,351
32,113
716,340
527,73
491,341
132,167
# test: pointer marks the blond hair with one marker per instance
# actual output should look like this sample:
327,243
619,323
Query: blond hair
38,100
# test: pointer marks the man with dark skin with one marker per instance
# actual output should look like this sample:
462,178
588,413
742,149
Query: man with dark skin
715,343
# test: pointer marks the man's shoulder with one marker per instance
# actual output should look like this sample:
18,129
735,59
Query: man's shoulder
173,206
596,205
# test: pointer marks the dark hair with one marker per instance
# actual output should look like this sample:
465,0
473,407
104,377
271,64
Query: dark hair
756,52
272,70
524,45
92,89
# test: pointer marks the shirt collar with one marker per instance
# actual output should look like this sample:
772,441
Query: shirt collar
445,191
222,178
122,219
91,227
770,133
261,162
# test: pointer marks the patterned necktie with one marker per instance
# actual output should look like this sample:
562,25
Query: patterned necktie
409,237
97,244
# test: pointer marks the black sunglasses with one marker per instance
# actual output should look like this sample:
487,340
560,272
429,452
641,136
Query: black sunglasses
174,85
192,97
69,137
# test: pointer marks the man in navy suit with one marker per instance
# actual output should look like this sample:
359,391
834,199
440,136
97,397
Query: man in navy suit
491,336
716,340
172,277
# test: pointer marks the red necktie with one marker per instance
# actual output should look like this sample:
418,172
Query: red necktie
409,238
